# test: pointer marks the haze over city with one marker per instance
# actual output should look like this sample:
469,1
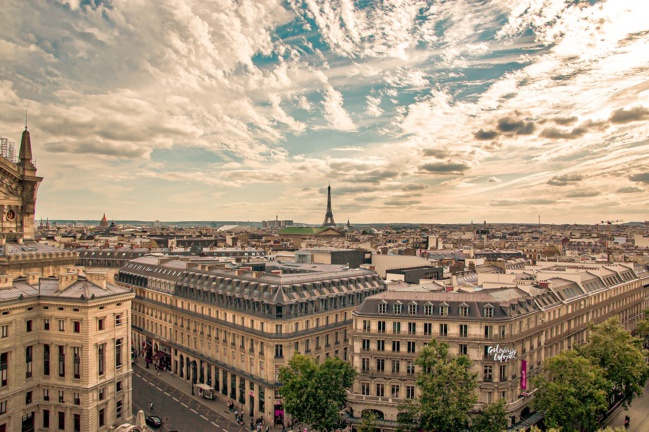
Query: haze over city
413,111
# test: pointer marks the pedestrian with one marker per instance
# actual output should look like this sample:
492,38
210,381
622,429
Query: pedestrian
151,407
267,428
236,414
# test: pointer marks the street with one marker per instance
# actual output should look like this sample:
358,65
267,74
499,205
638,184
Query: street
639,414
184,412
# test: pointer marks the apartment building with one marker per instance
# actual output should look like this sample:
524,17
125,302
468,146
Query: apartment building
507,332
233,328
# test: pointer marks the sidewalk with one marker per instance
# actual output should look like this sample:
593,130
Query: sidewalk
218,405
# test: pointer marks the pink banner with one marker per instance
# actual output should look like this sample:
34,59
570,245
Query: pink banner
523,374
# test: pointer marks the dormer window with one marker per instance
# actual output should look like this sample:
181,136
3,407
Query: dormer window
488,311
396,308
443,310
428,309
412,309
464,311
382,308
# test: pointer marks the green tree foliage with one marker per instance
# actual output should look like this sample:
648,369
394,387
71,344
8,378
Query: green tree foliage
572,392
621,357
314,393
492,419
368,423
642,331
447,388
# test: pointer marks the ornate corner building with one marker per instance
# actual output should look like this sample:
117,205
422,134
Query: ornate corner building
64,338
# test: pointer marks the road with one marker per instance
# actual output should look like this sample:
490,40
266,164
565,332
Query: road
184,412
639,414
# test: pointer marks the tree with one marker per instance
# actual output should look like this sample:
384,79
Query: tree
621,356
447,392
368,423
642,330
315,393
492,419
571,392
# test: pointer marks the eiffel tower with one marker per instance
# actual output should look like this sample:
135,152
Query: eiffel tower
329,216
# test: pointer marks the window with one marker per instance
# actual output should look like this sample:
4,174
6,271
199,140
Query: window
488,312
29,325
380,365
394,391
396,327
410,392
46,394
503,372
366,326
118,409
61,325
46,360
28,358
101,358
443,329
77,399
46,418
488,331
411,347
412,328
46,324
279,350
463,349
396,308
5,331
4,364
464,330
412,309
77,326
118,320
365,389
396,365
428,309
100,324
3,407
102,417
119,386
278,329
464,311
61,396
487,373
396,346
61,420
502,331
102,394
428,329
118,353
410,367
380,326
443,310
28,397
380,345
77,423
76,362
365,364
61,360
382,308
380,390
366,344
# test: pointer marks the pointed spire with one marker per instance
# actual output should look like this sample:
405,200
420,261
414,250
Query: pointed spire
25,148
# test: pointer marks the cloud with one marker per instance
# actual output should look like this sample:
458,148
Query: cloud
494,180
630,189
334,112
640,177
554,133
565,179
404,203
374,176
348,149
122,150
414,187
523,202
583,194
437,153
374,106
485,134
564,121
450,168
515,125
633,114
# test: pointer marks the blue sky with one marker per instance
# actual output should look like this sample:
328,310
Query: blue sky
414,111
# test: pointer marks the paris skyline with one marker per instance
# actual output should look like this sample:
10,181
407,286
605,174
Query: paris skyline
414,111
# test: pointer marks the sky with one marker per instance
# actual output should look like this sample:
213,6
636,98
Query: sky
414,111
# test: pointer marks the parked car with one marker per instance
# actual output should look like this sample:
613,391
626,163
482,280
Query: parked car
153,421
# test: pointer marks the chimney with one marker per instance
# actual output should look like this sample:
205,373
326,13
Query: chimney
6,281
32,278
67,279
97,278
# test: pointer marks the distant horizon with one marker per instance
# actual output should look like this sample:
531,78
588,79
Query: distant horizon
429,111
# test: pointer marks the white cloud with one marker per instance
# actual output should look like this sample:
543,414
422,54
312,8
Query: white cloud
334,112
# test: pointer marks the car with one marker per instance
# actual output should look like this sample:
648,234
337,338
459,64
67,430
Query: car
153,421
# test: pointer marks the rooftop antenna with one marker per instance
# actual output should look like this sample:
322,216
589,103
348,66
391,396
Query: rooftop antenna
25,119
